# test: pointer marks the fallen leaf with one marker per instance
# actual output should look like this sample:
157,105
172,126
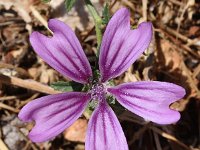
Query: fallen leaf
172,57
77,131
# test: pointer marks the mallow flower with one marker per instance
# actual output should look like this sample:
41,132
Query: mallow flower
120,47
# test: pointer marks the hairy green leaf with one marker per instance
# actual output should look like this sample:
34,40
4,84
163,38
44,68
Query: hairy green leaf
45,1
66,86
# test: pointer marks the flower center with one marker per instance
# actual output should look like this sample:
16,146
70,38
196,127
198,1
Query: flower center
98,92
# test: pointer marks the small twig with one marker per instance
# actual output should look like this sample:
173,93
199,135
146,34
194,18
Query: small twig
6,23
177,3
128,4
144,10
18,69
3,145
157,141
178,44
175,33
7,98
112,4
33,145
138,134
196,71
160,132
194,42
180,19
38,16
170,137
29,84
2,105
190,80
88,33
34,96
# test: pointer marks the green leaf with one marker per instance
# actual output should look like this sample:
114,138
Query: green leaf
69,4
66,86
45,1
106,14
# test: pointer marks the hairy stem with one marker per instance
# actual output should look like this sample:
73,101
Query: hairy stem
97,21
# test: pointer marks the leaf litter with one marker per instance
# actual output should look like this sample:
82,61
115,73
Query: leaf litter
173,57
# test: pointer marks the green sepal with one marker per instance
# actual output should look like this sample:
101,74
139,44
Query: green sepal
67,86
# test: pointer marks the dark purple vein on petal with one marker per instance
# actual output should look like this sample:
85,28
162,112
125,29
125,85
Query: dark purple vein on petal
136,87
128,56
76,67
119,49
94,133
138,97
66,69
67,117
40,107
136,52
104,126
139,107
65,108
75,51
113,125
110,41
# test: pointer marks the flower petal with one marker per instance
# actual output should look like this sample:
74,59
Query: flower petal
53,114
150,99
121,46
104,131
63,51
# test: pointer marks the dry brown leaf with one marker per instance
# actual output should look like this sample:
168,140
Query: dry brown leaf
172,57
193,30
48,76
77,131
179,105
22,7
33,72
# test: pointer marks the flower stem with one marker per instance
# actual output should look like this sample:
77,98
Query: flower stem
97,21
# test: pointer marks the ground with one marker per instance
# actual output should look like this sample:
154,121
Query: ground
173,56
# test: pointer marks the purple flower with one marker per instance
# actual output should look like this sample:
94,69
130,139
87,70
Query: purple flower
120,47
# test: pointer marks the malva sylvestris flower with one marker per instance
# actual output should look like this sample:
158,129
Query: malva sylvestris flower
120,47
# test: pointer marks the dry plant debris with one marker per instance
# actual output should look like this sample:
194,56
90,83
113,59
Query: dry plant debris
173,56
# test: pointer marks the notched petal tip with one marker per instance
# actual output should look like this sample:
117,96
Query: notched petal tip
62,51
53,113
146,25
35,139
34,37
150,99
181,92
121,46
23,117
54,23
123,12
146,29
